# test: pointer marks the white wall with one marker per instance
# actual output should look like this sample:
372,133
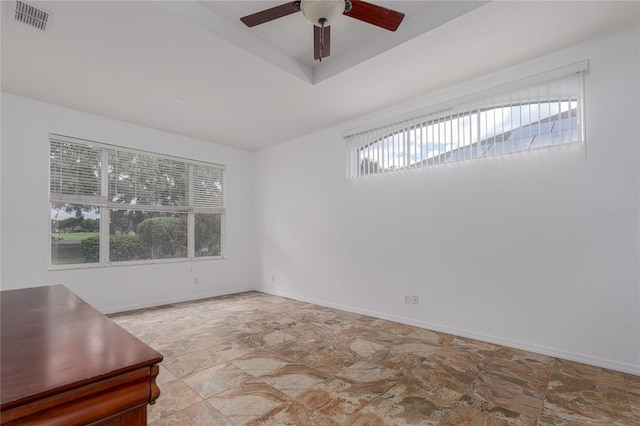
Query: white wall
517,250
25,212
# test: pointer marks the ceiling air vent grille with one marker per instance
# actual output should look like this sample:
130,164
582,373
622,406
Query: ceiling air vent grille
30,15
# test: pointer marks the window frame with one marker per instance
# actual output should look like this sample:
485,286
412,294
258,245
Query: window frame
105,206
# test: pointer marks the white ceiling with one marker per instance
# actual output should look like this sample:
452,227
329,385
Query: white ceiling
192,68
288,42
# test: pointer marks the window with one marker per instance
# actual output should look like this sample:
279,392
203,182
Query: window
532,116
110,204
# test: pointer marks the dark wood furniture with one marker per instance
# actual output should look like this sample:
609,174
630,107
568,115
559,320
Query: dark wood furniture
64,363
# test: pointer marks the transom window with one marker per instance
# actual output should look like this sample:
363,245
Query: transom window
536,116
112,205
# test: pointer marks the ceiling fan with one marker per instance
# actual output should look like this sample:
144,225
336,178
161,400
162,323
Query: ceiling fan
322,13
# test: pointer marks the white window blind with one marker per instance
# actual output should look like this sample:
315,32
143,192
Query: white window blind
75,172
134,179
543,111
207,184
140,179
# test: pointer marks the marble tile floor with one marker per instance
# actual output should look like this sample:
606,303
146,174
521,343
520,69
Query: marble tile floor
257,359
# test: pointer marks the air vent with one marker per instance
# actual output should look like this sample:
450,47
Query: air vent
32,16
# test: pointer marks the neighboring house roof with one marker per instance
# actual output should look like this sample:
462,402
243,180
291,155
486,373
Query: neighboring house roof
550,131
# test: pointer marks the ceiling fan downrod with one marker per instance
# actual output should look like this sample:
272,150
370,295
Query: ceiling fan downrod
322,22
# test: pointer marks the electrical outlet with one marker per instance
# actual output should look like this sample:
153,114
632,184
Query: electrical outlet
273,278
196,280
414,300
407,299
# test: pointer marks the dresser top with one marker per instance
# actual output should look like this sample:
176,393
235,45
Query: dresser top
53,341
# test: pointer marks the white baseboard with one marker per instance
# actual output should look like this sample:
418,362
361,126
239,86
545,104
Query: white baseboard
162,302
543,350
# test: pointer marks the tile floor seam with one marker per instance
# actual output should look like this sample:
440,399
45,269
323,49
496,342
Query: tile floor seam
546,389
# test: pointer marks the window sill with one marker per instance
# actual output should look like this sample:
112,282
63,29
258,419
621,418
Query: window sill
131,263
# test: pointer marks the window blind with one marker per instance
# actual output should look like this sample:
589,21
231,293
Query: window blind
75,172
207,184
92,173
541,112
139,179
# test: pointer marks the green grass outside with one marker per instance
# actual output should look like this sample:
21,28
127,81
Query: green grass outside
75,236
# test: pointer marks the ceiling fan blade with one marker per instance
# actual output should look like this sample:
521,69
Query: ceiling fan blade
375,15
321,42
271,14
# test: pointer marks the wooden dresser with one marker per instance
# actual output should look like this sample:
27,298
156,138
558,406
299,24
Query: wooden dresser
64,363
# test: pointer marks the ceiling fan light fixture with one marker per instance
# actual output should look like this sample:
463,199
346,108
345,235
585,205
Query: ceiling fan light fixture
322,12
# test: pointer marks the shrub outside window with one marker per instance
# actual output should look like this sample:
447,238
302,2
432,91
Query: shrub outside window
113,205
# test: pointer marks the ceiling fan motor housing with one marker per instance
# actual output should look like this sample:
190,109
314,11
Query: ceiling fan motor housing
322,13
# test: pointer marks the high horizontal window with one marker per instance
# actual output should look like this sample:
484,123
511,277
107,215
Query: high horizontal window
110,204
539,115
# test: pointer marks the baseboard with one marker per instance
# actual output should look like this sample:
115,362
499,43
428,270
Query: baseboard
156,303
543,350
